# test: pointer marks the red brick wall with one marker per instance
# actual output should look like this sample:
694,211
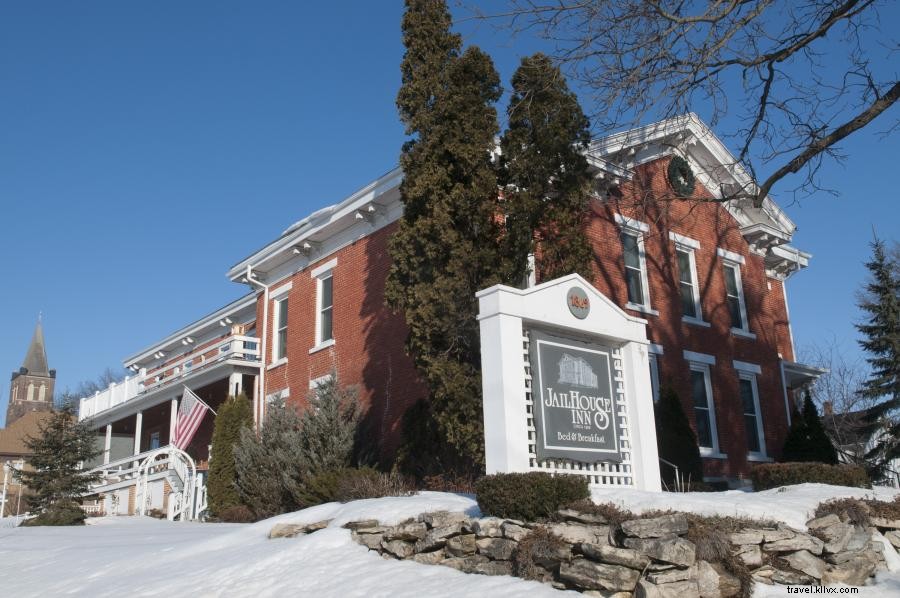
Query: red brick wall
711,225
368,350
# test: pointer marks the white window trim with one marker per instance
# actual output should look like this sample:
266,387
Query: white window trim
743,366
318,271
637,229
703,367
317,382
281,291
276,315
322,274
750,376
655,349
284,393
739,282
730,256
703,358
689,246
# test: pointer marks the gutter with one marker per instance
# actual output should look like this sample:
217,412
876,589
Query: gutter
259,407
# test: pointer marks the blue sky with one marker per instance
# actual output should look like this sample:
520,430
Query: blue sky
147,147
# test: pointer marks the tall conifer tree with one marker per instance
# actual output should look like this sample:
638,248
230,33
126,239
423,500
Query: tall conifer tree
446,245
881,340
234,415
545,174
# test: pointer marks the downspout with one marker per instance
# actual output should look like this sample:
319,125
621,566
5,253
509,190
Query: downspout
261,395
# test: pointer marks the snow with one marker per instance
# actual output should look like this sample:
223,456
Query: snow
115,556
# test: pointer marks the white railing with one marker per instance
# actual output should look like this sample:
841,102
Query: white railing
240,347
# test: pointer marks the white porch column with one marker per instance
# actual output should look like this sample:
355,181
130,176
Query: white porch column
503,389
642,429
235,384
173,419
138,423
107,443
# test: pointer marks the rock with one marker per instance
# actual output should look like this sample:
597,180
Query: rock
858,540
399,548
882,522
289,530
371,541
437,537
514,531
672,575
465,564
430,558
673,549
578,533
791,578
853,572
494,568
489,527
657,527
763,574
602,594
442,518
679,589
748,536
461,546
365,525
597,576
781,533
823,522
551,560
409,531
611,555
805,562
893,537
496,548
836,537
798,542
579,517
750,554
715,582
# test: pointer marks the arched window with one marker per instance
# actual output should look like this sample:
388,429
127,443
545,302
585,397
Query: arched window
29,396
42,393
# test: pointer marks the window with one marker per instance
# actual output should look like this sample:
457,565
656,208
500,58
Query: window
749,395
688,283
654,375
281,324
326,309
154,441
734,291
632,236
702,402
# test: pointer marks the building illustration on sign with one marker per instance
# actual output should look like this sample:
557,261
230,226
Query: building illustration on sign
577,372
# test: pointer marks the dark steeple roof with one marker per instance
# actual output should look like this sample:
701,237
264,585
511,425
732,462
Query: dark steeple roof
36,358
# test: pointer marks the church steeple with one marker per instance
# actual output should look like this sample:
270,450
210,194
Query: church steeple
36,359
31,388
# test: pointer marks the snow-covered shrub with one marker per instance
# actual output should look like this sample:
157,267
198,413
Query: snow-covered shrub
366,482
773,475
528,496
236,514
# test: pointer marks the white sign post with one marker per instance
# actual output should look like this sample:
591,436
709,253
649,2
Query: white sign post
566,308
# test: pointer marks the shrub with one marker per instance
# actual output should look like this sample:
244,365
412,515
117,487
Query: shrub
807,440
536,553
676,441
59,514
234,415
236,514
859,511
772,475
366,482
528,496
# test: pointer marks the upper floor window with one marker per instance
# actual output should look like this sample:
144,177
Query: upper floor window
324,277
632,236
689,287
281,326
734,291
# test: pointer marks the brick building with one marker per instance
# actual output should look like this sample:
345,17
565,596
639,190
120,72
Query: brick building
707,276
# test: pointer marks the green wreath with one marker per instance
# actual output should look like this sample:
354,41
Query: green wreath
681,177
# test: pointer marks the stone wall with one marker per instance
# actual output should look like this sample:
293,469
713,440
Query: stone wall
641,557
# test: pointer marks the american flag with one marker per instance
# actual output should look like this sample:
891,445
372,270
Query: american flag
190,414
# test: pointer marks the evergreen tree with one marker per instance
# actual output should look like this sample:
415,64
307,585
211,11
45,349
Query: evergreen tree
676,440
234,415
261,461
57,480
544,174
807,439
446,246
325,440
881,340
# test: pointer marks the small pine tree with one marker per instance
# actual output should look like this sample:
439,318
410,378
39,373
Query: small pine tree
261,460
325,442
881,340
807,440
676,440
56,481
544,174
234,415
